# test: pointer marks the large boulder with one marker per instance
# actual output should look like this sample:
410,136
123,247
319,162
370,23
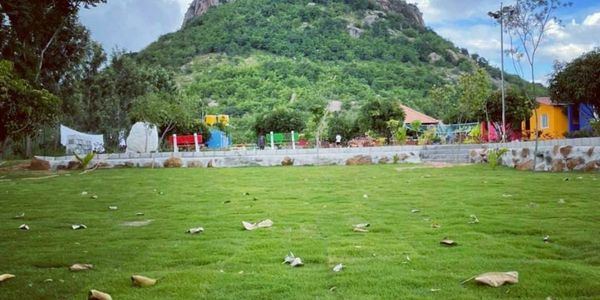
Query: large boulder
173,162
526,165
143,138
287,161
359,160
39,165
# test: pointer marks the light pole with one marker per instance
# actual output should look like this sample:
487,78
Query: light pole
499,16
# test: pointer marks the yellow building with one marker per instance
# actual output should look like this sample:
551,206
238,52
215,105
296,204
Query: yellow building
553,121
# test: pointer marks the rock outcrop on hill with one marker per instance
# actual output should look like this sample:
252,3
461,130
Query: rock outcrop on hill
410,11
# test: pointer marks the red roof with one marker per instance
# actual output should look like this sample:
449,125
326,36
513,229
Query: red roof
547,101
412,115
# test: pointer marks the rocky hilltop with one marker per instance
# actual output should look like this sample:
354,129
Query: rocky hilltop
410,11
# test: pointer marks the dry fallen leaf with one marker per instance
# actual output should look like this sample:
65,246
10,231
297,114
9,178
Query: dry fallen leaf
292,260
113,207
435,225
262,224
98,295
547,239
139,214
338,267
5,277
84,193
496,279
19,216
24,227
358,229
94,197
366,196
142,281
78,226
195,230
474,219
81,267
414,210
361,225
447,242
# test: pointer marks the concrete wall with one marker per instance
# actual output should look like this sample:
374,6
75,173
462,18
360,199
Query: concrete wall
519,156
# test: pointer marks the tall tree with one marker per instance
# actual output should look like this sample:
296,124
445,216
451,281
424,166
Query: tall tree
375,114
43,37
23,108
578,81
527,21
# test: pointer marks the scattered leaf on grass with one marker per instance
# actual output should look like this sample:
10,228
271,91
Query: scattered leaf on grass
533,205
49,280
113,208
566,179
5,277
80,267
474,219
507,195
94,197
496,279
333,288
435,290
361,227
262,224
139,213
195,230
78,226
561,201
356,229
84,193
137,223
579,177
142,281
98,295
19,216
24,227
414,210
366,196
293,260
435,225
226,201
246,194
547,239
338,267
448,242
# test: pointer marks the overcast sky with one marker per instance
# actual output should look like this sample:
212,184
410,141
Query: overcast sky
133,24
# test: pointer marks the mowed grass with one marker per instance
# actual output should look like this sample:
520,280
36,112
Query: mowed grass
313,209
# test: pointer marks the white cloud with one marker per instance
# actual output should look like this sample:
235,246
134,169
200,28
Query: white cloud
439,11
592,20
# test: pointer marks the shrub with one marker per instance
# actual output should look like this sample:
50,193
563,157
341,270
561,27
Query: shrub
85,161
493,156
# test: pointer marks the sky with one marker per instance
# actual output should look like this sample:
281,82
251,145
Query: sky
134,24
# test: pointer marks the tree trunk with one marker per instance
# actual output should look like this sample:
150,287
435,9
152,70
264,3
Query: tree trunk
28,152
537,120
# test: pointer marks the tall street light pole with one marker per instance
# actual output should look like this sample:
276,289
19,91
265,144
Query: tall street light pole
499,16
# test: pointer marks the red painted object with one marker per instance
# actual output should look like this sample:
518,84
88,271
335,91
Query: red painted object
185,140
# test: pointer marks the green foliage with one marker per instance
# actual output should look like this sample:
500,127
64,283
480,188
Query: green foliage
475,89
375,114
518,107
415,127
166,110
398,131
427,137
494,156
23,108
474,135
85,161
281,120
578,81
344,124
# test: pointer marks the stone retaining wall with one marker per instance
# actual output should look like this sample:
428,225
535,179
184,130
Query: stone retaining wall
555,155
248,158
566,155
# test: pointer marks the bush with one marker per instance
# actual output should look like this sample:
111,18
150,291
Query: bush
493,156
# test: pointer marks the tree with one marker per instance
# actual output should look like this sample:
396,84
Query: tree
343,124
520,107
578,81
165,110
527,20
466,100
475,88
375,114
23,108
43,38
280,119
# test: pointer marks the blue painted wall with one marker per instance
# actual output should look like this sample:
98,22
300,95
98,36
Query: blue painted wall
218,139
586,114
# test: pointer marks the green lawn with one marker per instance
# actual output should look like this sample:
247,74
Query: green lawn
313,209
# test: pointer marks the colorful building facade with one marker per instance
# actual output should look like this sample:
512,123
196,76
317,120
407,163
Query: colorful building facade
552,120
579,116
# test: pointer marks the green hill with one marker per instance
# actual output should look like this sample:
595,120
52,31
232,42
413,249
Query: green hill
247,56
